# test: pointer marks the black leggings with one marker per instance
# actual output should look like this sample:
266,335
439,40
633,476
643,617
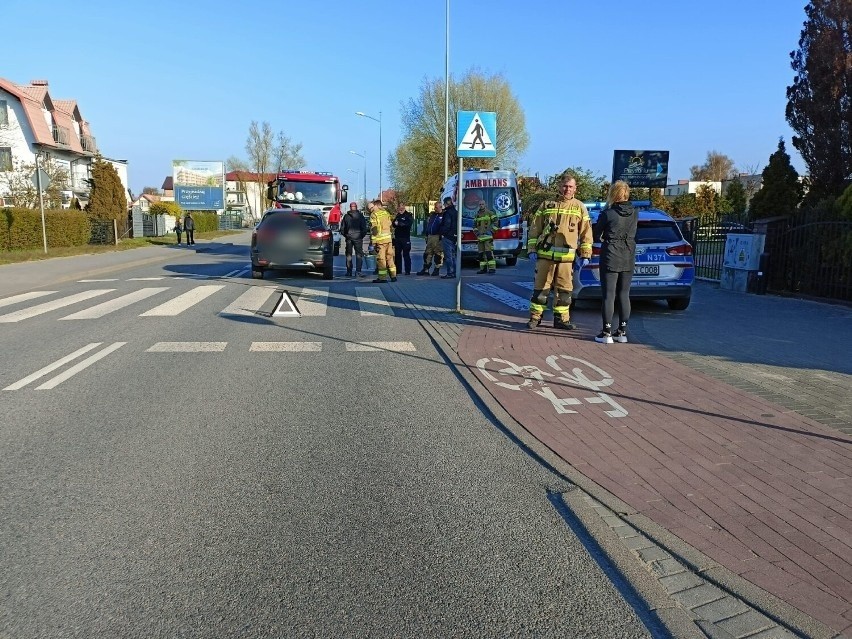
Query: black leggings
616,285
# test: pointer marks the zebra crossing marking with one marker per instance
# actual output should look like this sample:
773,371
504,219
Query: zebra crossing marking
23,297
183,301
52,367
313,302
110,279
249,302
502,295
69,373
372,302
397,347
187,347
285,347
145,279
40,309
111,306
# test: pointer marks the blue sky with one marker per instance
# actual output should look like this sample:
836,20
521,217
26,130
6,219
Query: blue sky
163,80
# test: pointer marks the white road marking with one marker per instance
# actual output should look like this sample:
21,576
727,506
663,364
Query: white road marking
111,279
56,381
145,279
372,302
285,347
188,347
183,301
111,306
313,302
232,273
23,297
40,309
250,302
397,347
502,295
52,367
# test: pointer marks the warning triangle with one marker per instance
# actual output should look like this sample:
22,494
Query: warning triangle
476,137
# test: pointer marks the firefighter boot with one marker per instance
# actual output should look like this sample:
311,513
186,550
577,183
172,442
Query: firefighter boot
563,324
436,270
534,323
424,270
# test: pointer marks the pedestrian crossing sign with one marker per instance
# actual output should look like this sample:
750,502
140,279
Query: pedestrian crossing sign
476,134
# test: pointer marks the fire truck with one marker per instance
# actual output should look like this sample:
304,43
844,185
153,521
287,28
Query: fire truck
310,190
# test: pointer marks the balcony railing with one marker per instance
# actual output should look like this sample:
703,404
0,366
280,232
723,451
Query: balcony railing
88,143
80,185
60,135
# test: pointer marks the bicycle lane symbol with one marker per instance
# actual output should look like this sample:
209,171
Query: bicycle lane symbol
535,379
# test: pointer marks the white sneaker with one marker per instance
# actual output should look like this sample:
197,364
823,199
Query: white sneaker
604,337
620,336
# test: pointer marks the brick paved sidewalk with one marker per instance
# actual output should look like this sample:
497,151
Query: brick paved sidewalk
756,487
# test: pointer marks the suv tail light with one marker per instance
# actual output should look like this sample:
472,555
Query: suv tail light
680,249
319,235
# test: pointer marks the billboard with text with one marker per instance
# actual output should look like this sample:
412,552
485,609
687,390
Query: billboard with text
642,169
199,185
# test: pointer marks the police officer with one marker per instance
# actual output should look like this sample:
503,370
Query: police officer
402,224
559,232
484,225
380,238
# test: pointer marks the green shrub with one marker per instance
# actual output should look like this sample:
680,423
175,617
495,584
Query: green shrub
20,229
205,221
166,208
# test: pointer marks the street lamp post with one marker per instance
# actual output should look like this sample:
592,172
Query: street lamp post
363,155
379,120
447,94
357,173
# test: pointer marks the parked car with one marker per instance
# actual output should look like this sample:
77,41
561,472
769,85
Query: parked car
664,264
288,239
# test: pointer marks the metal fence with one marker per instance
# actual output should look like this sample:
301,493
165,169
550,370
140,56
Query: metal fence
230,221
102,232
708,237
810,254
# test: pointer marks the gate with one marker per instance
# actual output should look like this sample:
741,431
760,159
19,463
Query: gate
230,221
708,247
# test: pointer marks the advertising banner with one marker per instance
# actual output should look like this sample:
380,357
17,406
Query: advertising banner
641,169
199,185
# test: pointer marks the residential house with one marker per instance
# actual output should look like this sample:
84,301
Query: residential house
33,121
246,192
689,186
168,189
145,201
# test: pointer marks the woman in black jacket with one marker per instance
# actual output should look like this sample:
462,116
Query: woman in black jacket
616,228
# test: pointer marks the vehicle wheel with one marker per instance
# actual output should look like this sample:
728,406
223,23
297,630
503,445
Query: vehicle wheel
678,303
328,270
337,248
257,273
511,261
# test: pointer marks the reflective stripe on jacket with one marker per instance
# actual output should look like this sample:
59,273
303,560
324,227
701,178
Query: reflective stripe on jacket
485,224
380,227
560,230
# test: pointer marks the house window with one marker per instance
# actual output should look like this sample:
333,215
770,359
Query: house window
4,113
5,158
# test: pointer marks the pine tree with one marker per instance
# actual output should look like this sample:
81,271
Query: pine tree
781,192
107,200
819,108
736,196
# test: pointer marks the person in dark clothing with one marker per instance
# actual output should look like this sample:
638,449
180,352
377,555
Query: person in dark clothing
178,229
449,236
616,228
189,227
402,224
434,250
353,228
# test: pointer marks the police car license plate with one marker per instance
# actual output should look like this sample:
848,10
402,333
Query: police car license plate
469,247
653,269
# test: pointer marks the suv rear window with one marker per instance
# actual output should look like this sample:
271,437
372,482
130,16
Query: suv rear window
313,222
657,233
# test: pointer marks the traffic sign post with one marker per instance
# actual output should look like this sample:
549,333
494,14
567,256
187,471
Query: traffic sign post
476,137
41,181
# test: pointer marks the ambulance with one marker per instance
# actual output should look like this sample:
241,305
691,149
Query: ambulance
499,190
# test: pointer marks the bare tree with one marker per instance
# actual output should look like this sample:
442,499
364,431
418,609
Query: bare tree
22,191
716,168
287,154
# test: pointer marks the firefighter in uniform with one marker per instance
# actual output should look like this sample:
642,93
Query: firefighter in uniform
560,236
484,225
380,238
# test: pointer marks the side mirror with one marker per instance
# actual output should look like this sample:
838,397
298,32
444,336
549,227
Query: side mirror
344,196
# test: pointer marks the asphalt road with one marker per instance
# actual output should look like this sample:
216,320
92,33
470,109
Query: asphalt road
208,470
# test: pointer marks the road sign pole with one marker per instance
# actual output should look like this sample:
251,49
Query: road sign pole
41,203
459,234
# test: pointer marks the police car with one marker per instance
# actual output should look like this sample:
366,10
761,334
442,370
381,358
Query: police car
664,264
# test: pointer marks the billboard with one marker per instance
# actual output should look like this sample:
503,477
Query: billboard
642,169
199,185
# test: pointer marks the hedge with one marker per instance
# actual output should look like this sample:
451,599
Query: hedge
20,229
204,220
